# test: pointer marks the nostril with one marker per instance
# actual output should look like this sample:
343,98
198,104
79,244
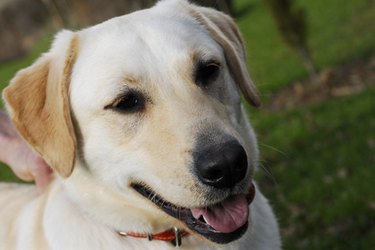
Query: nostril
239,167
212,174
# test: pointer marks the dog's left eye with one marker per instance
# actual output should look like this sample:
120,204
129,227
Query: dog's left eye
206,72
131,102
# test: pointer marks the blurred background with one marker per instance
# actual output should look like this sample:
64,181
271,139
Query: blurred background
314,64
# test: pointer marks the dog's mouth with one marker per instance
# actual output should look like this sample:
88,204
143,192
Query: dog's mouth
221,223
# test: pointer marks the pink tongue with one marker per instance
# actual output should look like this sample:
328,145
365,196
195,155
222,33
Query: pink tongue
226,216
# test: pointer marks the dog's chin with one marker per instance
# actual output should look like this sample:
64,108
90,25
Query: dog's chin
221,223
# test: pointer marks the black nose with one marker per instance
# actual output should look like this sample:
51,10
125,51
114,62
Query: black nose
221,165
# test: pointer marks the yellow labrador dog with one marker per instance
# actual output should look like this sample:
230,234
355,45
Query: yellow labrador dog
140,117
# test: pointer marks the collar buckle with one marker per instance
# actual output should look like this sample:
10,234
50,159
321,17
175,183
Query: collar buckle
149,237
178,237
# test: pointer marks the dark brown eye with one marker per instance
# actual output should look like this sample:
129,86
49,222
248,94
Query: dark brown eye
206,72
130,102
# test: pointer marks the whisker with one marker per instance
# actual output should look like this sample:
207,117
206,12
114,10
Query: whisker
262,165
274,149
152,196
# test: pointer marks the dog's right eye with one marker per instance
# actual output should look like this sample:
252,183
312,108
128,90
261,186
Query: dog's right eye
131,102
206,72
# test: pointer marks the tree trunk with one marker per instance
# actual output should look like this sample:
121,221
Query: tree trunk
308,64
57,17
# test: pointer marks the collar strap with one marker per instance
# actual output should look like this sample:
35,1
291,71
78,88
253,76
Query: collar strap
173,235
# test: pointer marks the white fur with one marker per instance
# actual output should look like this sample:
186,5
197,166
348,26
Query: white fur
85,210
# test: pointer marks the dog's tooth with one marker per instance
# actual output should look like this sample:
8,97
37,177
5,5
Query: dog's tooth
205,220
201,219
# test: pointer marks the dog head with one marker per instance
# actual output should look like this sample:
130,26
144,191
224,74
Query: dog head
142,114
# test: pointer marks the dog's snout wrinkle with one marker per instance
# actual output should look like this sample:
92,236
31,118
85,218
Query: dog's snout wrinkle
221,165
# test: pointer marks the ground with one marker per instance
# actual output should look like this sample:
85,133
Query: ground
317,145
339,81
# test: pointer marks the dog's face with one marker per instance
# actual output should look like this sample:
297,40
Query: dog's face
155,122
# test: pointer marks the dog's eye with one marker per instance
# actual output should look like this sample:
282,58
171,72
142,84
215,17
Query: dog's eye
207,72
131,102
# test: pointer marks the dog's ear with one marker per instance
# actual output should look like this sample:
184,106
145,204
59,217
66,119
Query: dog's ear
37,100
225,32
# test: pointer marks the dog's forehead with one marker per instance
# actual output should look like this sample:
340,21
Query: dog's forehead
143,45
147,37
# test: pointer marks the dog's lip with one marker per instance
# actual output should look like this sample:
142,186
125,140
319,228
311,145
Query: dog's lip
185,215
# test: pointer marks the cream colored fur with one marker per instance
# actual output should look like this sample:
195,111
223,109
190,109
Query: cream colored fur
58,106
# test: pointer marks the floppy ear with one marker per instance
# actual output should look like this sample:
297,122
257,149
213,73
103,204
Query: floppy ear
37,100
225,32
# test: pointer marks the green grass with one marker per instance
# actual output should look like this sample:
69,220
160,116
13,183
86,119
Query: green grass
339,31
321,160
6,174
318,161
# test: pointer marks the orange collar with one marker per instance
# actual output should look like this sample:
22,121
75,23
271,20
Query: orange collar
173,235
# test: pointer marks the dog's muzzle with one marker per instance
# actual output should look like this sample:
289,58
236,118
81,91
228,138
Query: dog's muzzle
220,166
